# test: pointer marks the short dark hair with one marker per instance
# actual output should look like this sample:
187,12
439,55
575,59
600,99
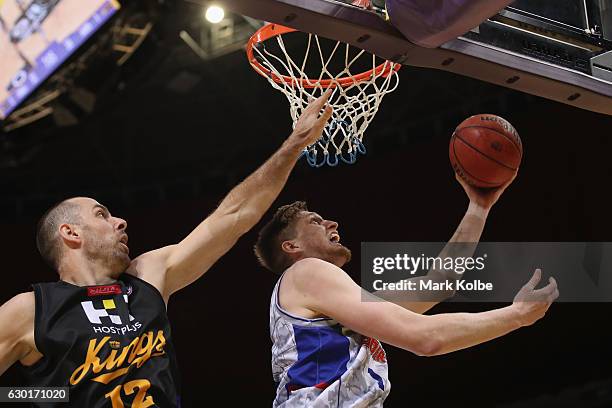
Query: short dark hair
280,228
47,240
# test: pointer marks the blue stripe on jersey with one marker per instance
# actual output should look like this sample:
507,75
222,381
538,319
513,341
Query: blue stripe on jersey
378,378
323,353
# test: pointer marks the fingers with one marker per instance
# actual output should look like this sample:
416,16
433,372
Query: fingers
326,114
555,289
317,125
549,292
554,296
459,178
546,290
504,186
462,182
318,103
535,279
316,106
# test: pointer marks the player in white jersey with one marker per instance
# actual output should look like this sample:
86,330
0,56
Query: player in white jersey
320,363
325,349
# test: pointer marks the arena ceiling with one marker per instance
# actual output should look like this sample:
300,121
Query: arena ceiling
172,125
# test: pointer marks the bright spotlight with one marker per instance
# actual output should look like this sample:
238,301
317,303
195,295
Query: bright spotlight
214,14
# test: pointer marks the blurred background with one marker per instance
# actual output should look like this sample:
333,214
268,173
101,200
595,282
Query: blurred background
157,115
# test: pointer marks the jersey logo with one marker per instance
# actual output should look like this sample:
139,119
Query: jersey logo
101,317
104,290
376,349
94,315
105,366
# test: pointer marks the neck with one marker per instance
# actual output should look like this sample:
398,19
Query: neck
332,260
81,272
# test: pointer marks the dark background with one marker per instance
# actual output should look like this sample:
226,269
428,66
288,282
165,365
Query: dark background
163,156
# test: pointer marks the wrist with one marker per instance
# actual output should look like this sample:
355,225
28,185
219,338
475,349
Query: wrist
292,144
516,316
478,210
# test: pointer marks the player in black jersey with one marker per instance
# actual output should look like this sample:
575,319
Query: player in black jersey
102,329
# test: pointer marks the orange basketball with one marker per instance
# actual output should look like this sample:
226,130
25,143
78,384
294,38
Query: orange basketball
485,150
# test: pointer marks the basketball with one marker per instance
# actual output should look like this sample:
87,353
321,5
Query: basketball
485,150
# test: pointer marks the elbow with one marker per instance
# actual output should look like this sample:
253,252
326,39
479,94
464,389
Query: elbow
428,347
239,220
245,220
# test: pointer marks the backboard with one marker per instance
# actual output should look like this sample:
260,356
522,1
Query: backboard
556,49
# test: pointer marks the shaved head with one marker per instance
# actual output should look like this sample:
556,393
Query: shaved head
47,232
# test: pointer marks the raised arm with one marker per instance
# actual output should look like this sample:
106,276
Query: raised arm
328,290
176,266
17,334
468,234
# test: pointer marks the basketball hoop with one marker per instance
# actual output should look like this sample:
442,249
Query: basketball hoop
355,98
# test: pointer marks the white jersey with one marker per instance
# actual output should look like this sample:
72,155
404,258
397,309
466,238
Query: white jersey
319,363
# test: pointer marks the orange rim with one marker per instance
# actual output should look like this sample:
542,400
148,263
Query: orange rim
273,30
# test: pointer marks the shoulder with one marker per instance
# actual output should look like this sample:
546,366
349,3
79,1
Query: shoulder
311,274
23,304
156,259
311,267
17,334
151,267
18,313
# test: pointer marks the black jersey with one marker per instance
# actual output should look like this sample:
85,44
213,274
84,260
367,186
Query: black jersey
111,344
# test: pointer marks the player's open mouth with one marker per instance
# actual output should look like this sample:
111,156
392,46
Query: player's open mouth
334,238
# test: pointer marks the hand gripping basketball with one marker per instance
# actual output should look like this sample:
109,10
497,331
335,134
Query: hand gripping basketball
483,197
486,151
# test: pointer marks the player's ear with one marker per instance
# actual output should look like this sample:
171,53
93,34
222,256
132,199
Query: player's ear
290,247
70,235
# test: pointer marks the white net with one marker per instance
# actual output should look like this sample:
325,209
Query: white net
355,99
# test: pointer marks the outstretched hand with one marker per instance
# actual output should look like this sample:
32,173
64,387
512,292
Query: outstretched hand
311,123
484,197
532,303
